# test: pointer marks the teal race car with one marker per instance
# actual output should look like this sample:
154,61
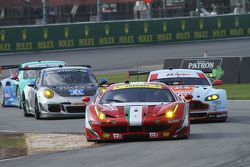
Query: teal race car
11,88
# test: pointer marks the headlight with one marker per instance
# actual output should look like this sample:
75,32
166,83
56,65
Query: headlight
48,93
100,114
212,97
170,113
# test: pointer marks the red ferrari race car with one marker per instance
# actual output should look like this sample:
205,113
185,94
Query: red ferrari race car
137,109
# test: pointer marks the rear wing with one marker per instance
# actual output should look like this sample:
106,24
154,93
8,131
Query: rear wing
8,67
207,71
137,73
40,68
86,65
131,73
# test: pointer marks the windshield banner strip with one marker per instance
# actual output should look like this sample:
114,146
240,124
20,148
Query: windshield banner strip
137,86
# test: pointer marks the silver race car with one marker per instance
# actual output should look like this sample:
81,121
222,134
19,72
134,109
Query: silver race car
58,92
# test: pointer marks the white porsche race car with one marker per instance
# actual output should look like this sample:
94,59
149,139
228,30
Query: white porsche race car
208,103
58,92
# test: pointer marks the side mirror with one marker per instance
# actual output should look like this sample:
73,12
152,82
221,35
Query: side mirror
217,82
32,84
103,81
86,99
188,97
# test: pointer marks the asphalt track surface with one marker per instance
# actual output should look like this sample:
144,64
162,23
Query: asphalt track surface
128,57
210,144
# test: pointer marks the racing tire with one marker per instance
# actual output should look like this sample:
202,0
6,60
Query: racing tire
19,98
184,137
223,120
2,96
37,110
25,107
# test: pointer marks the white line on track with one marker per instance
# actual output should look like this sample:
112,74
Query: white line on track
10,159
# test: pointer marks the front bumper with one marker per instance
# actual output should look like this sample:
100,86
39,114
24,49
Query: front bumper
72,107
123,131
209,116
206,111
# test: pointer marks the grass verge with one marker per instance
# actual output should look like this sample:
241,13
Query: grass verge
234,91
12,145
120,77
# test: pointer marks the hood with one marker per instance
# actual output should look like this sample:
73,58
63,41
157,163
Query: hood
119,110
74,90
199,92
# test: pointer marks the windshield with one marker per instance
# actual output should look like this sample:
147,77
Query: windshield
68,76
137,95
30,74
184,81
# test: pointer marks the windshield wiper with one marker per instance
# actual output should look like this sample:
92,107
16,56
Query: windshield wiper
116,100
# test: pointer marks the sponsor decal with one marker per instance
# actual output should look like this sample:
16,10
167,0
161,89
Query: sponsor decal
218,102
237,21
64,70
153,135
219,23
215,108
126,28
174,120
45,33
106,135
109,108
217,73
165,134
135,116
210,66
66,32
223,115
76,92
113,122
164,26
6,95
117,136
182,90
107,29
86,30
222,108
183,25
157,122
201,64
24,34
201,22
2,35
145,28
178,74
137,86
